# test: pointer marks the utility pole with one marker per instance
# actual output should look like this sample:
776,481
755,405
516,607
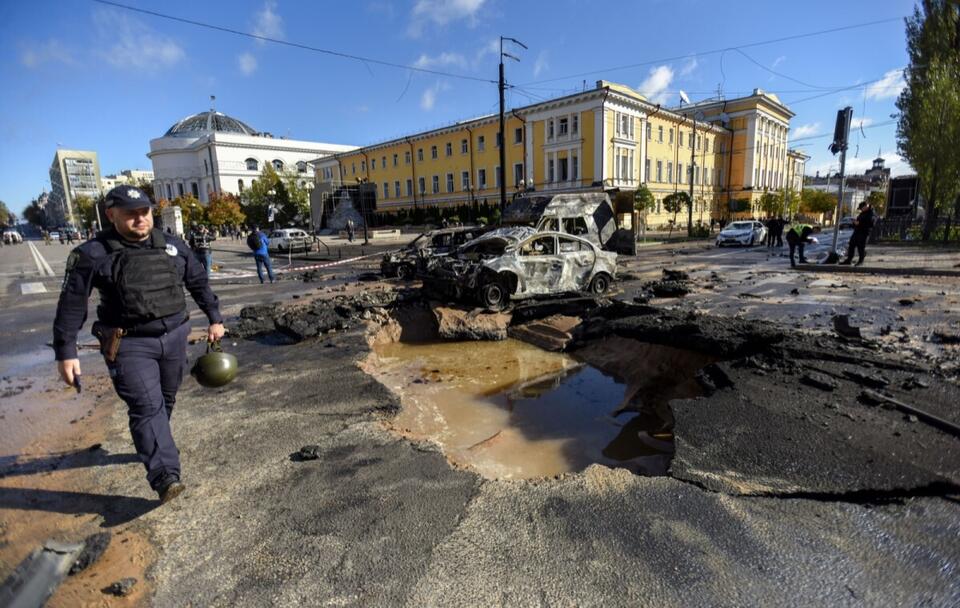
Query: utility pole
503,140
841,133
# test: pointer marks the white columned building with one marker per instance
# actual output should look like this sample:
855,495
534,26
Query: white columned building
211,153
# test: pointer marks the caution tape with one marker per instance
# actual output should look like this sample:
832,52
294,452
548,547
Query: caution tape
328,264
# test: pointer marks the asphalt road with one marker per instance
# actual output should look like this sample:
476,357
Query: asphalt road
377,520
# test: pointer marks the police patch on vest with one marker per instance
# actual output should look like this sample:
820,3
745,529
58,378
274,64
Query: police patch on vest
72,260
171,250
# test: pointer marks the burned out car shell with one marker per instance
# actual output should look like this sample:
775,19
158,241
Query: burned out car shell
522,263
410,260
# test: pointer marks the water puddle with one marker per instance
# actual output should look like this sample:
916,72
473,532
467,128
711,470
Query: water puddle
513,411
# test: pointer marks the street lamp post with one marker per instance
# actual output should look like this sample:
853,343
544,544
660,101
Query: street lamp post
271,208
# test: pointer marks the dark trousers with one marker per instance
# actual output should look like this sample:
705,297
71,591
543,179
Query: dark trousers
858,241
779,236
146,375
263,261
796,245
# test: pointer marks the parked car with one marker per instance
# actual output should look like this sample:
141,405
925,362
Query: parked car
406,262
54,234
743,232
11,237
517,263
289,239
587,215
846,223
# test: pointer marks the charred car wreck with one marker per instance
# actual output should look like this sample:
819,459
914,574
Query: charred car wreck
411,259
516,263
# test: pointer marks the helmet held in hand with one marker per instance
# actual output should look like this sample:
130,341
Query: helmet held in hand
216,368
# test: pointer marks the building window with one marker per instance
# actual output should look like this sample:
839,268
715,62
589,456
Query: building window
649,132
482,178
660,134
498,175
669,172
179,189
498,139
575,169
550,129
646,168
169,193
550,170
386,189
383,161
481,143
518,174
518,135
464,146
465,180
419,155
240,185
409,187
433,152
564,127
195,189
449,148
679,173
564,169
278,164
363,166
659,171
575,124
395,159
435,184
449,182
301,167
373,164
671,136
396,188
422,183
680,138
406,157
252,164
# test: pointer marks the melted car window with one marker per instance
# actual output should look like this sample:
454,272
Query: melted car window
550,224
539,246
576,226
570,246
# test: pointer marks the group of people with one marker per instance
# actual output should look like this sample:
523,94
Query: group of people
800,235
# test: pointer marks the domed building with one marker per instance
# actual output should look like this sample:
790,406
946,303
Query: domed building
211,152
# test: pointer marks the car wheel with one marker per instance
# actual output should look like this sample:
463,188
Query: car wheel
404,272
493,296
599,284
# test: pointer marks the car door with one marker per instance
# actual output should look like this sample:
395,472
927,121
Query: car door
542,265
578,259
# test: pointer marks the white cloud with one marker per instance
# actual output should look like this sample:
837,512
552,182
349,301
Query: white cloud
541,64
655,86
442,60
805,130
689,66
429,98
248,63
268,23
778,61
889,86
442,12
856,166
128,43
45,52
860,122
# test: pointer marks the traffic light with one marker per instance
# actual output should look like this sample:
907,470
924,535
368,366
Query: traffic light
842,129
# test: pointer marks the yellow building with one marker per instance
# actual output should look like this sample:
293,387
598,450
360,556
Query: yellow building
607,138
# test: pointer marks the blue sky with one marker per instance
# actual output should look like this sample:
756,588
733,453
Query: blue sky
89,76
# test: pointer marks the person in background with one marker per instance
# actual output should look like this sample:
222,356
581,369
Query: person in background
798,236
259,245
861,231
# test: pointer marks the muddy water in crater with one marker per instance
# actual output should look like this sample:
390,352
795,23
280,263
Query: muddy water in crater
512,411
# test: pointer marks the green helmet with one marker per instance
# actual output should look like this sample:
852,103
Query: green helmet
216,368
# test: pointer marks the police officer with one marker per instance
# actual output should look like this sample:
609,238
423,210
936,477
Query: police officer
140,273
798,236
861,232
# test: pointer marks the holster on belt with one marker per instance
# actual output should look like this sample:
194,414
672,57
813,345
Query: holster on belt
110,341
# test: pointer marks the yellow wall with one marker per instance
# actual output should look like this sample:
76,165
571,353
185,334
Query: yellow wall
587,133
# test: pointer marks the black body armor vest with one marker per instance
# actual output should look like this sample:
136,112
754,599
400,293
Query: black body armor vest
145,283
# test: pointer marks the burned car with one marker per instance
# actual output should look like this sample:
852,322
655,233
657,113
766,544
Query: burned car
410,260
517,263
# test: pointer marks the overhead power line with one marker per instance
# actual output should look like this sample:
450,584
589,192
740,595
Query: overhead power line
720,50
297,45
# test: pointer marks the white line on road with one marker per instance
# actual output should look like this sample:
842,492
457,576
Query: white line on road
42,267
27,289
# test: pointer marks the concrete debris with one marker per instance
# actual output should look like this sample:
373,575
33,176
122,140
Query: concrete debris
121,588
819,380
461,324
914,382
872,380
675,275
93,548
943,336
316,318
841,324
552,333
307,452
668,289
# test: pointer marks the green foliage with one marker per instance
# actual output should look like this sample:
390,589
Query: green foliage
674,203
878,200
191,211
929,122
739,205
86,210
771,204
643,201
817,201
35,214
291,202
225,210
7,218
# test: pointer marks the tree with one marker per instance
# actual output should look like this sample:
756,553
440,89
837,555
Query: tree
35,214
6,217
225,210
191,211
86,210
674,203
817,201
643,202
929,123
878,200
771,203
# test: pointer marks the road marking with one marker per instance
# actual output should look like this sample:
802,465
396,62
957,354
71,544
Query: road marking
42,267
27,289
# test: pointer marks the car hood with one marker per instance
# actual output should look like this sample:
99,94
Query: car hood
499,239
737,232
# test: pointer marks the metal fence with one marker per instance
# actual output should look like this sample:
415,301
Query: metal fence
945,229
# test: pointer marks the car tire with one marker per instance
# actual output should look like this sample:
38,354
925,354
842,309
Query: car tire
600,284
493,296
404,272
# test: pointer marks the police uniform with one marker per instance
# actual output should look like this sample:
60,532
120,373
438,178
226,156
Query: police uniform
141,291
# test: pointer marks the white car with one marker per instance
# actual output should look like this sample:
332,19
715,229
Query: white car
289,239
11,237
743,232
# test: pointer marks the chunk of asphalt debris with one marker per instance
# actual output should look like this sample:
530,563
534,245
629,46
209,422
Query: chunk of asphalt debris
913,382
794,292
841,324
669,289
93,548
307,452
872,380
712,378
818,380
675,275
939,336
122,587
907,301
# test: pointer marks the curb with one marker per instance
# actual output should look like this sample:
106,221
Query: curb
906,272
